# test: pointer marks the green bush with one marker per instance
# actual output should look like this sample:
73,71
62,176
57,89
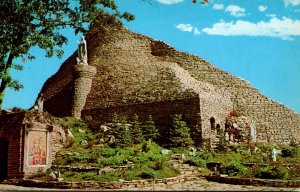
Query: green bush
196,162
136,131
205,155
278,172
147,175
150,131
290,152
180,133
116,160
233,168
89,176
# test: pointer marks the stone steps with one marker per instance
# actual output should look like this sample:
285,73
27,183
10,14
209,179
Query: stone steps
183,168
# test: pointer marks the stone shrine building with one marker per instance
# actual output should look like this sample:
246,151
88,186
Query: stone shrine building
28,142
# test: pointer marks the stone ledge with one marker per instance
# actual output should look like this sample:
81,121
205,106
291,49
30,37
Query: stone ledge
104,185
254,182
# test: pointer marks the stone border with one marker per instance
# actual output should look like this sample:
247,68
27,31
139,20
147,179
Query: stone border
254,182
105,185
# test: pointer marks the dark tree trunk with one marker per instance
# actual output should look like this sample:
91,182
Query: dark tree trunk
5,81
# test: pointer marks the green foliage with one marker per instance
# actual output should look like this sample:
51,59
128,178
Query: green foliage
122,135
135,131
290,152
150,131
150,162
268,172
76,127
180,133
196,162
233,168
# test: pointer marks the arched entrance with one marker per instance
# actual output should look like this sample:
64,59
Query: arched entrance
3,158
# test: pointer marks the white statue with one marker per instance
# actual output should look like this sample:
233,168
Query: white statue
82,51
274,154
39,104
252,132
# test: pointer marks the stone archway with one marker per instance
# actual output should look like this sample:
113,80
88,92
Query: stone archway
3,158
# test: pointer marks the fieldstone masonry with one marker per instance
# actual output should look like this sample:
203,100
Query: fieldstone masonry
136,74
82,86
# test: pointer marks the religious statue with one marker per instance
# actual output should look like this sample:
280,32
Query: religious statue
252,132
274,154
82,51
39,104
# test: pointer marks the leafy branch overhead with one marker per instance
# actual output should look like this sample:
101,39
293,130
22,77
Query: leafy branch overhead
28,23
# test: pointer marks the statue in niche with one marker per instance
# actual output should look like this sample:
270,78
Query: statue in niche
82,52
39,104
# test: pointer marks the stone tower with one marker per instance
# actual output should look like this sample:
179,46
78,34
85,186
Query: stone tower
83,74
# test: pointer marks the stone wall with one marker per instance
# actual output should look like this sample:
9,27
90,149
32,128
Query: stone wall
274,121
135,70
161,112
11,129
58,90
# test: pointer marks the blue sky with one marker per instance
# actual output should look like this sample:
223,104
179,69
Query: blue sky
257,40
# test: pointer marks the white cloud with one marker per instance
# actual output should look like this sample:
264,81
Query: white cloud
169,2
262,8
185,27
196,31
271,15
283,28
188,28
218,6
291,2
235,10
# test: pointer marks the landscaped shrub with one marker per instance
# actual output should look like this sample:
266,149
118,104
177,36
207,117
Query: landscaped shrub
150,131
122,135
147,175
180,133
205,155
136,131
233,168
196,162
89,176
268,172
290,152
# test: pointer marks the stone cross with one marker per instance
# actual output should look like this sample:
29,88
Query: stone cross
82,52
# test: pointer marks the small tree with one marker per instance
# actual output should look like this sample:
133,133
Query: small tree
149,129
136,132
180,134
122,135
